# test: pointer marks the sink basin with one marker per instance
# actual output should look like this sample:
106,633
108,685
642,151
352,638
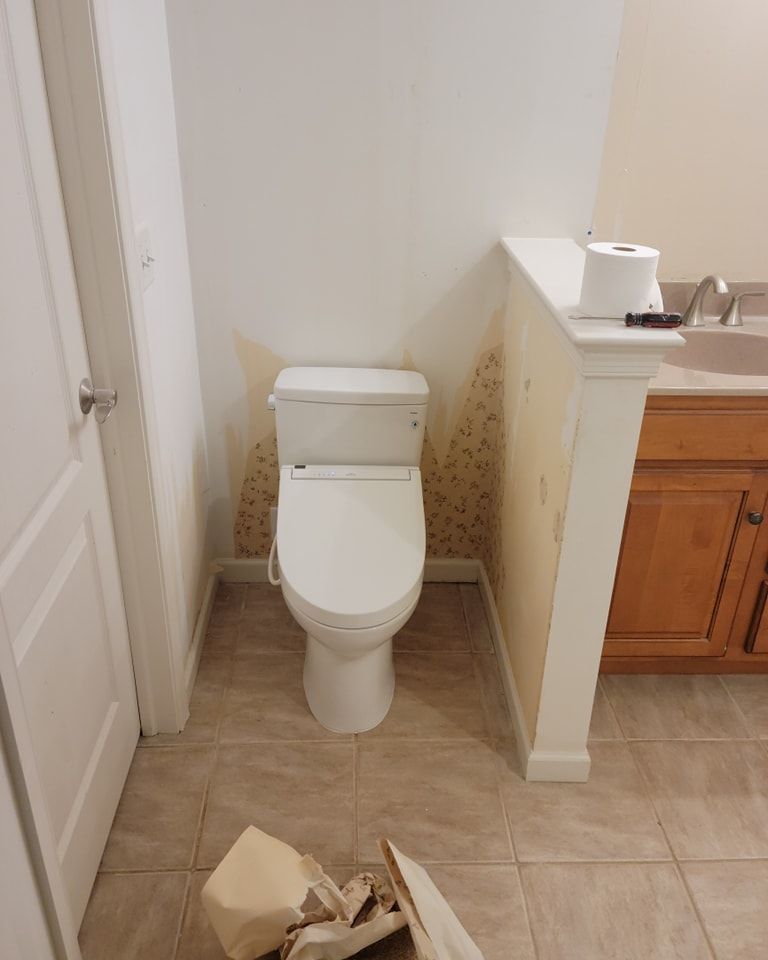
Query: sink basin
721,351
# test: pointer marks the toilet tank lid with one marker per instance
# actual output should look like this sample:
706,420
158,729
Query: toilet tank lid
351,385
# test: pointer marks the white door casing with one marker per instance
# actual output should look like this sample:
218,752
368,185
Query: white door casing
65,670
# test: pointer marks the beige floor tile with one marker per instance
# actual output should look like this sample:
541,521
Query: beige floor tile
477,620
132,916
603,725
156,823
266,701
751,696
611,911
434,800
267,624
228,603
437,695
731,899
494,699
488,900
437,623
608,818
204,708
198,940
711,796
671,707
220,640
299,792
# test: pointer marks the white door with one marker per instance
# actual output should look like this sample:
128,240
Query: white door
65,669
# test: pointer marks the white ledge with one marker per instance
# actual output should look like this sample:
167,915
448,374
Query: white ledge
553,267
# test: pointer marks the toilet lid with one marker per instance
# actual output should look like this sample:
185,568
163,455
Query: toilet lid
350,542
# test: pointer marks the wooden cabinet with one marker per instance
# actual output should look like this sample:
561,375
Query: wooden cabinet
691,589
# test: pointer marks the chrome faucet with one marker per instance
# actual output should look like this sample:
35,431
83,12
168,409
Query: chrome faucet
732,316
694,314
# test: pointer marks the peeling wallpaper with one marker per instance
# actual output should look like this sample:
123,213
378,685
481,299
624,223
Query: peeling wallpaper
462,485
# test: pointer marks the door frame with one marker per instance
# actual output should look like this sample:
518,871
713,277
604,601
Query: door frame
85,124
82,97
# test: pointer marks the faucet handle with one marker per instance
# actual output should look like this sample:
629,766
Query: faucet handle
732,316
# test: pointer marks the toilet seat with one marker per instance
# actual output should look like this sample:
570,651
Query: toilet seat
351,542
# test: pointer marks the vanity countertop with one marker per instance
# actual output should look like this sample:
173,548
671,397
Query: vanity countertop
677,380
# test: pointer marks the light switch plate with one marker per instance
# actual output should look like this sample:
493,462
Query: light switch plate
146,258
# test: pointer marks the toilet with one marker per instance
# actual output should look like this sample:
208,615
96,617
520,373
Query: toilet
350,544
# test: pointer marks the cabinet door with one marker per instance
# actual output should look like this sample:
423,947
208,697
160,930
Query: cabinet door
687,541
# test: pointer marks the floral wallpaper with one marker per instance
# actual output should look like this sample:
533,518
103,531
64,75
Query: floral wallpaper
462,491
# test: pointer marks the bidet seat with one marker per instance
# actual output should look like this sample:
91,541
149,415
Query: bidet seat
351,542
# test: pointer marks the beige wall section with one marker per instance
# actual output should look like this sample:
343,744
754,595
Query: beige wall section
541,401
684,166
142,74
355,222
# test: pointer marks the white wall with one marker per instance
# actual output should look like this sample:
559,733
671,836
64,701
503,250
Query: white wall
685,154
139,47
348,169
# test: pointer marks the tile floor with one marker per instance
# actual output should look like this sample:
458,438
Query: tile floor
663,855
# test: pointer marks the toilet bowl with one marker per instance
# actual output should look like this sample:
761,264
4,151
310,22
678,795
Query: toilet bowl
350,542
350,552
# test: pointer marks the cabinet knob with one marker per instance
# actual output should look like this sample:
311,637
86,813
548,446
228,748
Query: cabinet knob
754,517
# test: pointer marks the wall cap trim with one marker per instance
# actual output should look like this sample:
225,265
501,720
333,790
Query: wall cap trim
552,269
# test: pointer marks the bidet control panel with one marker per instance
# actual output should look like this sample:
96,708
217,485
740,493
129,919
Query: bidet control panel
301,471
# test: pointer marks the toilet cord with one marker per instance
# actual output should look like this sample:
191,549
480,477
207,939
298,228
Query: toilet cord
273,578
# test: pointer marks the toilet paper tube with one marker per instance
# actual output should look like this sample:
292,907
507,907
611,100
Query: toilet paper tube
619,278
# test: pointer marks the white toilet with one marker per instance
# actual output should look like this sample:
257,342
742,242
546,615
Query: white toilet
350,544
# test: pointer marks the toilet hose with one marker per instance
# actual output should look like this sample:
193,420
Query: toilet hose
273,563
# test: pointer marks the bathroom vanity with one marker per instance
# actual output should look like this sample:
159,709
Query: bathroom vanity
691,588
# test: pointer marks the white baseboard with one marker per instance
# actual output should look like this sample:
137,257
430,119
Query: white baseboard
242,571
435,570
198,635
438,570
505,667
553,766
558,767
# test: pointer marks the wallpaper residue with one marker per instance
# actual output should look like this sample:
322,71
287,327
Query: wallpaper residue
462,492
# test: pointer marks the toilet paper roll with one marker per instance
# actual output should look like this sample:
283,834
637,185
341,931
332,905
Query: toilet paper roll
619,278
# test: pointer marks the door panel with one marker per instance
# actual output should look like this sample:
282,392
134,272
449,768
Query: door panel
683,558
65,671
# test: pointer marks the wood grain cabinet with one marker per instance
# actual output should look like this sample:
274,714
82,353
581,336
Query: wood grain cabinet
691,588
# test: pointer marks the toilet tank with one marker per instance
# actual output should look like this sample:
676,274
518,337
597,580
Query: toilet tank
348,415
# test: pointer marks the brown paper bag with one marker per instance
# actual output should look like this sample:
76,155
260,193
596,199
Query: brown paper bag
257,892
435,929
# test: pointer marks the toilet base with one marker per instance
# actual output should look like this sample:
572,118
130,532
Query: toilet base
349,694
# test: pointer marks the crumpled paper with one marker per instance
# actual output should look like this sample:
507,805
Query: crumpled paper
254,900
323,935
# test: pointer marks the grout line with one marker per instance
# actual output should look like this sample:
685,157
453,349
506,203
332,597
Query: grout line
744,717
676,862
465,617
612,709
527,911
182,916
355,810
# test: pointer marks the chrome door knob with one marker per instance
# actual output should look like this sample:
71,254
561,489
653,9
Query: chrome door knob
103,399
755,518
